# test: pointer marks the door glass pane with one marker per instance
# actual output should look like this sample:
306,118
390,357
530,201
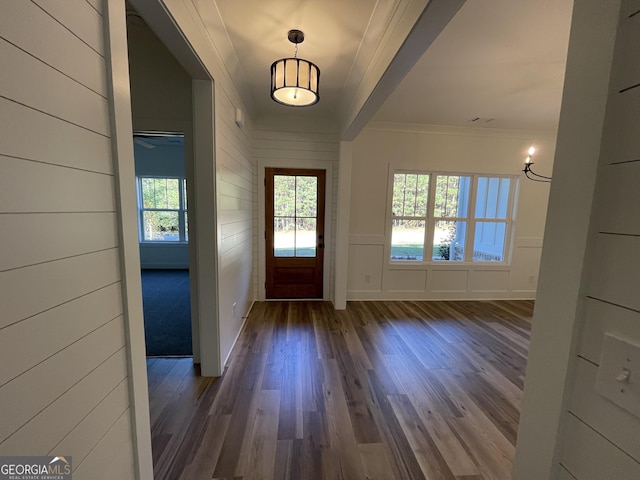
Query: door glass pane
306,196
161,226
452,196
407,240
448,240
488,243
284,236
284,195
295,200
305,237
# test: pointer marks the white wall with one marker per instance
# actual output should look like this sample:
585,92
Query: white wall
64,377
608,435
160,87
560,305
382,148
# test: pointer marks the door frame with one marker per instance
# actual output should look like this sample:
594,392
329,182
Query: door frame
328,219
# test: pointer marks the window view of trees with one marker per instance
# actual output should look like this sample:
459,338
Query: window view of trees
162,209
295,215
442,226
409,211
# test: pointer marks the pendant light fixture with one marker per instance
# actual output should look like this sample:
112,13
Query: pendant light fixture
295,81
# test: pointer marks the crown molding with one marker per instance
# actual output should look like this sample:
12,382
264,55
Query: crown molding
454,130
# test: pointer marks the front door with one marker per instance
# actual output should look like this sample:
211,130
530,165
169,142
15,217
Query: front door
294,233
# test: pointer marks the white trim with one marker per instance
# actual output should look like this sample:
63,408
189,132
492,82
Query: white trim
455,130
206,227
292,163
126,198
235,340
342,226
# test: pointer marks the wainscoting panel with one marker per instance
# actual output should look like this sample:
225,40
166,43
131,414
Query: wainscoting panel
368,260
404,280
448,281
489,280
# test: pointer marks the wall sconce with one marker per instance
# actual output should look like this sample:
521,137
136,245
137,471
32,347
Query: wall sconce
530,174
295,81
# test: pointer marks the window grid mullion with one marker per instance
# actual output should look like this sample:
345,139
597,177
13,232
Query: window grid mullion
471,224
430,222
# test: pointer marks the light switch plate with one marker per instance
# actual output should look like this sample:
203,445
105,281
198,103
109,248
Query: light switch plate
619,373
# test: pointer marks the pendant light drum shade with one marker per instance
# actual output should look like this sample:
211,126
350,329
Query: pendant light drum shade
294,82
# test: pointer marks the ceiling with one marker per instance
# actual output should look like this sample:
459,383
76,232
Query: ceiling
500,60
497,59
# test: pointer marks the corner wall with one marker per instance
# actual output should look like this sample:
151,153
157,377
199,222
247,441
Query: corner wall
601,438
235,173
65,384
382,148
559,313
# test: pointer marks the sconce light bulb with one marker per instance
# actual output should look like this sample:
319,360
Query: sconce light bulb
532,150
527,160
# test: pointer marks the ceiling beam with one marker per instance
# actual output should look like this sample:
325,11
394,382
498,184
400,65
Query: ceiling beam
393,63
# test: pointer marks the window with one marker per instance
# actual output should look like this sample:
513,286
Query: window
454,217
162,203
410,194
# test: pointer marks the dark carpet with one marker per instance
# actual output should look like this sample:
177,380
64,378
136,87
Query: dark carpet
167,312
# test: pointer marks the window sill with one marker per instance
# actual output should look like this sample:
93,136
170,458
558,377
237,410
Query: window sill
417,265
162,244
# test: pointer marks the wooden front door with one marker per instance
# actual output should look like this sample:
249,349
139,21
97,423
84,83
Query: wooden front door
294,232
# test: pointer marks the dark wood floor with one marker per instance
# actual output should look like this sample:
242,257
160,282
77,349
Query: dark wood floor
382,390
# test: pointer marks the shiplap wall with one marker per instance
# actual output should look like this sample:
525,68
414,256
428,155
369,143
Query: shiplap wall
236,187
235,174
63,374
302,150
601,440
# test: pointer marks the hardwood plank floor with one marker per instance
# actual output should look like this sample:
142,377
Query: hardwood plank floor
382,390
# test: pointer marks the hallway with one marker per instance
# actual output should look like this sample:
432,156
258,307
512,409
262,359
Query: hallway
398,390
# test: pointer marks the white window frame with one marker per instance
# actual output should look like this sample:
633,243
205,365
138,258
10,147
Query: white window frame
182,210
470,219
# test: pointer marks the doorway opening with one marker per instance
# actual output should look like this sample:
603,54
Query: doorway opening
294,232
163,235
